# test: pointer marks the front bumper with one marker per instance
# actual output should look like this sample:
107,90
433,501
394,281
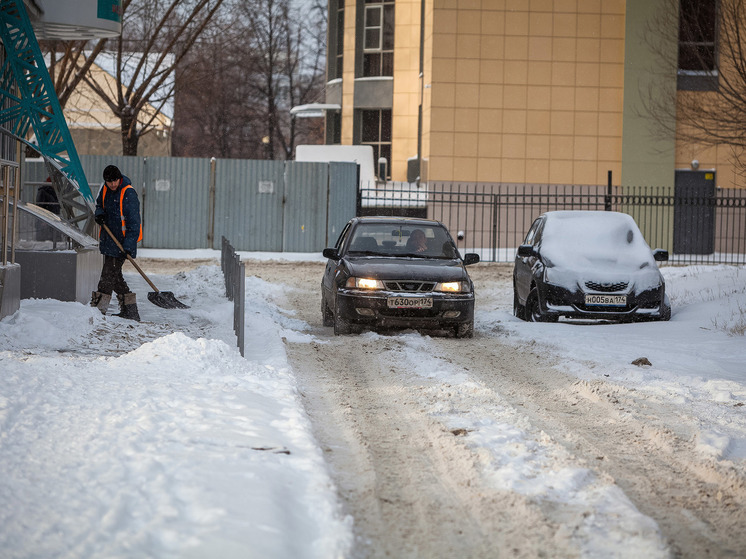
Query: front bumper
558,301
371,308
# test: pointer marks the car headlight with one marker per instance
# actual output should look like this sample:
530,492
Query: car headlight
364,283
561,278
451,287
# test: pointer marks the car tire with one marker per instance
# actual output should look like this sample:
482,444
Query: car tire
327,316
341,326
465,330
533,309
519,311
665,309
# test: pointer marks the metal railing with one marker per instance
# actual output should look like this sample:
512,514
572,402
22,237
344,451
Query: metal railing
234,272
495,218
9,182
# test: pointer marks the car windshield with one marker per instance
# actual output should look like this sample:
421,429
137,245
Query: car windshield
593,238
408,239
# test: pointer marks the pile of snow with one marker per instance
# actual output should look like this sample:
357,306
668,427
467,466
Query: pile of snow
177,448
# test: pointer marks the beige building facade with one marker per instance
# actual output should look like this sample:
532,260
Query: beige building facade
509,91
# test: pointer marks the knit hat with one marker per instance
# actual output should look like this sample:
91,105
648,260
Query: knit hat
112,173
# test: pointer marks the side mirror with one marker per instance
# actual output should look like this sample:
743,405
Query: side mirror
525,251
331,253
471,258
660,255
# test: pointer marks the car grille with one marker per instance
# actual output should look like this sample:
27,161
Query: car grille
409,286
607,287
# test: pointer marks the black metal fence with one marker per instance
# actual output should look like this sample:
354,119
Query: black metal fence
492,219
234,273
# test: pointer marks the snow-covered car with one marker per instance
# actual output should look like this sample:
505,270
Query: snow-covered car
394,272
588,264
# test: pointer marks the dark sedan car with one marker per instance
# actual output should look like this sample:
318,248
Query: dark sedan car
400,273
588,264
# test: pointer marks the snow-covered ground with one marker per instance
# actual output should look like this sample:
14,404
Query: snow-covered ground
698,359
180,447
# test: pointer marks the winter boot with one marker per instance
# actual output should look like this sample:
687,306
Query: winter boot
100,301
128,307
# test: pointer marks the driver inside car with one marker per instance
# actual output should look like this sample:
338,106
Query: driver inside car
417,241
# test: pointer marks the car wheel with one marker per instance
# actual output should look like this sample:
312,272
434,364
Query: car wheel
465,330
665,309
519,311
327,316
341,326
533,309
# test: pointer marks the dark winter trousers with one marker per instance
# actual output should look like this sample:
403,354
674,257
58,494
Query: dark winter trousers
111,277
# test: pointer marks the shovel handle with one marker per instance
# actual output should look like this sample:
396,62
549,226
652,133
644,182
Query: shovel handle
132,260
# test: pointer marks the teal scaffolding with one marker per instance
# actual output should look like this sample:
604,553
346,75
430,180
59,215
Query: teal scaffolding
29,102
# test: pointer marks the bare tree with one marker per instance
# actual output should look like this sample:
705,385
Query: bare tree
711,53
69,61
214,112
290,68
156,36
243,77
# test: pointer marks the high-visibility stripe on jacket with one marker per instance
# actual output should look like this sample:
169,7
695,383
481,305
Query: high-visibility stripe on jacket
121,209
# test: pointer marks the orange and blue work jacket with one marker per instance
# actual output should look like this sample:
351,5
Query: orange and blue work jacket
121,211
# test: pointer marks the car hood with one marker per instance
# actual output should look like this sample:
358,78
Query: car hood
406,268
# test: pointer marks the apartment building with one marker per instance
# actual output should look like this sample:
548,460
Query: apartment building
520,91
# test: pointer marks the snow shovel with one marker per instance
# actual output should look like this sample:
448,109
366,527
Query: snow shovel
163,299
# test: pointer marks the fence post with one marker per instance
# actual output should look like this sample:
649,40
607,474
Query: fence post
211,206
234,273
607,198
495,218
240,306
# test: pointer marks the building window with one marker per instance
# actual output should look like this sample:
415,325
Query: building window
378,38
333,127
376,132
697,64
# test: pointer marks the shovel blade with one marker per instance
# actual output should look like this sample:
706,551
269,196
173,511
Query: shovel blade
165,300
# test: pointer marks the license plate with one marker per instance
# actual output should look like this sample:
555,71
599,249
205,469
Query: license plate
410,302
606,300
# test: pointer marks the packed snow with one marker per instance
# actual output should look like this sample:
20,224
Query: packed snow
180,447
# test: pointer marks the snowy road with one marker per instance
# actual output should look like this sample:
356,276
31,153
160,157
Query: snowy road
158,439
451,448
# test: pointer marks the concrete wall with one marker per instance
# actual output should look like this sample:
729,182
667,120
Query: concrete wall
67,275
10,289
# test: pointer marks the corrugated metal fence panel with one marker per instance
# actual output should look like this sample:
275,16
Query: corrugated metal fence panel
305,206
33,172
93,167
176,202
257,205
129,165
342,198
249,204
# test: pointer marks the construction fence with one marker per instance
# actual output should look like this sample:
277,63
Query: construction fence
289,206
188,203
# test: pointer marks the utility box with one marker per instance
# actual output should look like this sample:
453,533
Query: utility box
694,212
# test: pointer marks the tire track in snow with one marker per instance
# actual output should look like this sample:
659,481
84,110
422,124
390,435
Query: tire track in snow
645,448
412,486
